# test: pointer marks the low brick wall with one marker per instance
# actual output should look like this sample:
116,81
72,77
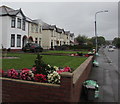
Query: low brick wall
69,89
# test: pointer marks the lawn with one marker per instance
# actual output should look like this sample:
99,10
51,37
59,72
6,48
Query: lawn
27,61
66,52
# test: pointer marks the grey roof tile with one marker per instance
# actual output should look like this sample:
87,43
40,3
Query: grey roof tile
59,30
71,34
67,32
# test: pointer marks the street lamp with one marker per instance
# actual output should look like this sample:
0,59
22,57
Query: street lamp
96,28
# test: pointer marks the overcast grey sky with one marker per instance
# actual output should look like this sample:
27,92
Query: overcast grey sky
77,17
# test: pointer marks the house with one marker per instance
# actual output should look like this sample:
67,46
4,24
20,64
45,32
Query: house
14,28
54,36
67,37
72,39
35,32
18,29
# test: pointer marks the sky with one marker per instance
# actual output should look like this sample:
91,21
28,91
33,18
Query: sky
76,17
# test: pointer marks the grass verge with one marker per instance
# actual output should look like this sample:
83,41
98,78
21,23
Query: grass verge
27,61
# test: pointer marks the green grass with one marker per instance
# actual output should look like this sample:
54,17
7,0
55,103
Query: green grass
27,61
66,52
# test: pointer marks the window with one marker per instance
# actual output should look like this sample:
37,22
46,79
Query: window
60,43
40,30
54,34
67,36
32,28
51,33
12,40
36,39
18,40
36,29
23,24
13,22
19,23
40,41
60,35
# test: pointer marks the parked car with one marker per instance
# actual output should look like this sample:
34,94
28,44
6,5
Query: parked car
33,47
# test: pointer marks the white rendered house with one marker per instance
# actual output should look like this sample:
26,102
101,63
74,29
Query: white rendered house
14,28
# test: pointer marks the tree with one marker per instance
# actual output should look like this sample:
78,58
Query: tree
81,39
100,40
116,42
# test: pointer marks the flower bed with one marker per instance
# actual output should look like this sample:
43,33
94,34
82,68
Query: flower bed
41,72
69,89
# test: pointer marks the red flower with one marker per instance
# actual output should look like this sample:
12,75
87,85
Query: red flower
66,69
86,55
12,73
26,74
25,69
1,72
40,78
34,69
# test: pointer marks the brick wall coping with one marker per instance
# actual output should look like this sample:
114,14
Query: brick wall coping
77,73
30,82
66,74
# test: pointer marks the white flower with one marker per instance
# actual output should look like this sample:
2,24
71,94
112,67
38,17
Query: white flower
49,66
31,73
56,68
53,77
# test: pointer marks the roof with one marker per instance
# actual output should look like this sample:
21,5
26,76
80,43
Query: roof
45,26
71,34
67,32
59,30
4,11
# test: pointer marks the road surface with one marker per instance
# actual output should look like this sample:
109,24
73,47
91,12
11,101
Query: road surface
106,75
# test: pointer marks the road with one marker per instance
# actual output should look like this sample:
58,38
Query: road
106,75
113,56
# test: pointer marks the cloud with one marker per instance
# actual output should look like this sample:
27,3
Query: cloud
77,17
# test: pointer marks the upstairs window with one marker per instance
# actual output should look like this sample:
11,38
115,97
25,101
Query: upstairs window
13,22
19,23
36,29
32,30
23,25
51,33
40,30
67,36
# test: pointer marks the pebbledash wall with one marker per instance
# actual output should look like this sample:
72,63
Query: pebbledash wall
69,89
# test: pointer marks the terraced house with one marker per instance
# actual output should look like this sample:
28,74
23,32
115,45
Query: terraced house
18,29
14,27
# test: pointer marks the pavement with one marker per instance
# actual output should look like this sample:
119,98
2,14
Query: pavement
107,77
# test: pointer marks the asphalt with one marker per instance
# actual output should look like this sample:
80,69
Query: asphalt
107,77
